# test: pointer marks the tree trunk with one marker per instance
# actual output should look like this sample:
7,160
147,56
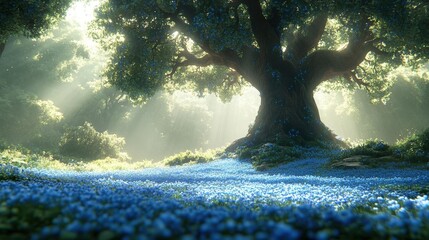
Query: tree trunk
287,116
2,46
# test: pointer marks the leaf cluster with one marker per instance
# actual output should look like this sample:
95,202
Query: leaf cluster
30,18
87,143
149,38
189,157
413,149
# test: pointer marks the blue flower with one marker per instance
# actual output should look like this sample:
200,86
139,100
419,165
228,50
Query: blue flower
225,199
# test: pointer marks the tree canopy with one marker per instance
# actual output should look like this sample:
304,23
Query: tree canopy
283,48
29,17
217,45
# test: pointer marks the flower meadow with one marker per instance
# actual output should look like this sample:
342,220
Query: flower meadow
223,199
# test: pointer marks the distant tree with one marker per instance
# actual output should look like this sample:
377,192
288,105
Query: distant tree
29,17
283,48
27,70
24,117
87,143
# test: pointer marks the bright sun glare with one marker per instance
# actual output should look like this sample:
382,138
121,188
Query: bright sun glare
82,12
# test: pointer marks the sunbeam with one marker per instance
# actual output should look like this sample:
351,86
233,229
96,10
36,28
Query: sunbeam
82,12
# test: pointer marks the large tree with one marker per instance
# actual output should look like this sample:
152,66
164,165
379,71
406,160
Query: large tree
283,48
30,18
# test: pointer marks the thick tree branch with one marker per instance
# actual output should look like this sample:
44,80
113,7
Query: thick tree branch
274,18
192,60
265,34
307,40
251,67
268,40
322,65
230,56
352,76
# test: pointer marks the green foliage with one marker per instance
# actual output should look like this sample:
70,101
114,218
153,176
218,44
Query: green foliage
155,47
28,69
55,67
3,144
411,150
269,155
414,148
189,157
14,158
152,52
25,117
28,17
86,143
373,148
9,174
159,35
403,111
50,60
19,156
22,220
400,24
103,106
206,80
400,28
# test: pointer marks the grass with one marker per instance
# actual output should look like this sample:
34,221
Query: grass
188,157
413,150
410,151
24,158
271,155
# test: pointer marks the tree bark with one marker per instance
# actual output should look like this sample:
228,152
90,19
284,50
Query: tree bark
287,116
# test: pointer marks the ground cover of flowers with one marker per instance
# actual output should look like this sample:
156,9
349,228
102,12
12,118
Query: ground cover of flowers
224,199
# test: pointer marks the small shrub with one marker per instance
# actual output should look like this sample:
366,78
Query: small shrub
189,157
414,148
410,150
86,143
15,157
18,156
112,164
373,148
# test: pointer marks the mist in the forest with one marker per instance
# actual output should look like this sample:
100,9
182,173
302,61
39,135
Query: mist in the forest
354,115
55,83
